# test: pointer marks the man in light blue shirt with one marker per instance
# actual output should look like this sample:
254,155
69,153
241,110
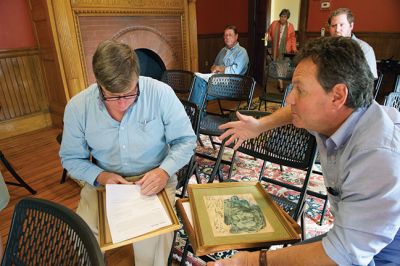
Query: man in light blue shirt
131,126
359,145
232,59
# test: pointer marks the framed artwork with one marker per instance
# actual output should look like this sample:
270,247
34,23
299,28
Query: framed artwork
236,216
104,230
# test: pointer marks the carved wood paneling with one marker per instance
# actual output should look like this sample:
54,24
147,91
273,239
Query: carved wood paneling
23,99
21,84
55,84
66,16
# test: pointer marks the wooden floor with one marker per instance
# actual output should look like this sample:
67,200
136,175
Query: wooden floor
35,157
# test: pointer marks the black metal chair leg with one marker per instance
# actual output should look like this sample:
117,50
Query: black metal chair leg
21,182
169,263
217,162
232,163
64,176
262,170
323,212
184,253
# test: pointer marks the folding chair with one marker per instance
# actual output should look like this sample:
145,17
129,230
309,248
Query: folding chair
226,87
180,81
278,70
186,172
393,100
377,85
45,233
287,146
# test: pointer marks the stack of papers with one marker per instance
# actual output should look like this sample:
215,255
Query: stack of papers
206,76
130,214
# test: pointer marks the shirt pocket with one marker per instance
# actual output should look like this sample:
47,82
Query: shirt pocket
151,130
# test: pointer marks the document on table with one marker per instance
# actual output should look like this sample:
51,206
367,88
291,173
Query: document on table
130,214
206,77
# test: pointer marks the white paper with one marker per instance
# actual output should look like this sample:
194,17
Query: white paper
131,214
188,210
206,76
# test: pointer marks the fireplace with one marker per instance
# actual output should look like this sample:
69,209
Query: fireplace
162,32
151,65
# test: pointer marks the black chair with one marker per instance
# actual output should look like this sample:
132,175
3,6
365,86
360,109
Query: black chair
65,172
278,70
186,172
393,100
180,81
226,87
287,146
397,84
46,233
20,180
377,84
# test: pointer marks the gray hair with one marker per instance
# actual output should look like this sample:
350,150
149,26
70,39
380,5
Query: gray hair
341,60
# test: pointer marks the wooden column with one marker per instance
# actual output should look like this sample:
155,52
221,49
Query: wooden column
194,53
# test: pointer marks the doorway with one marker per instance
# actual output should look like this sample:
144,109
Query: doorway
259,17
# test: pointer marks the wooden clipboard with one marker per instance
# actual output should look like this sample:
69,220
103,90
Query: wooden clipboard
104,230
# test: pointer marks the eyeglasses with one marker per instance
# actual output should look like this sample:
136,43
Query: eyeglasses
122,97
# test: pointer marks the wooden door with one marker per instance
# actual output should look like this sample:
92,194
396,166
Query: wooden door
258,19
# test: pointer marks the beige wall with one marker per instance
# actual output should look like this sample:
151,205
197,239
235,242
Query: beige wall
292,5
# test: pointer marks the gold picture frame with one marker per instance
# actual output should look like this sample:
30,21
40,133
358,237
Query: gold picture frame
104,230
237,215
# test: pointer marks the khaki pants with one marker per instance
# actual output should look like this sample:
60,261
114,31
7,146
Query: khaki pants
152,251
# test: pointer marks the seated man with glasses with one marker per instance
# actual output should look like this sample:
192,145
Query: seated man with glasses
129,132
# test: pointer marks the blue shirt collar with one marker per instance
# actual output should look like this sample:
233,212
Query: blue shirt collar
343,133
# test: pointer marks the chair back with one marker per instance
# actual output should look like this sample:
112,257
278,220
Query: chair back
287,146
231,87
46,233
397,84
179,80
393,100
193,113
288,89
377,85
281,69
186,171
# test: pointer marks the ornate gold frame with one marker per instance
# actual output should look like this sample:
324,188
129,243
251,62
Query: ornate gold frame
104,230
285,230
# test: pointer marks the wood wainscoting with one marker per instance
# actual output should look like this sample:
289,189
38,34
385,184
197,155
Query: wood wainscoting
386,44
23,99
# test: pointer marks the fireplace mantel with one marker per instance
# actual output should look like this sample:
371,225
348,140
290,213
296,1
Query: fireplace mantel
74,39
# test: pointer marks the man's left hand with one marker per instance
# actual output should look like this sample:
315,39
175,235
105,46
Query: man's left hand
153,181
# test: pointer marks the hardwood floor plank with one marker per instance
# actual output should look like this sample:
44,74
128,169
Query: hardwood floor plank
34,156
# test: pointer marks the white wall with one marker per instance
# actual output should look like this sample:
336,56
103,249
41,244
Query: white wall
292,5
